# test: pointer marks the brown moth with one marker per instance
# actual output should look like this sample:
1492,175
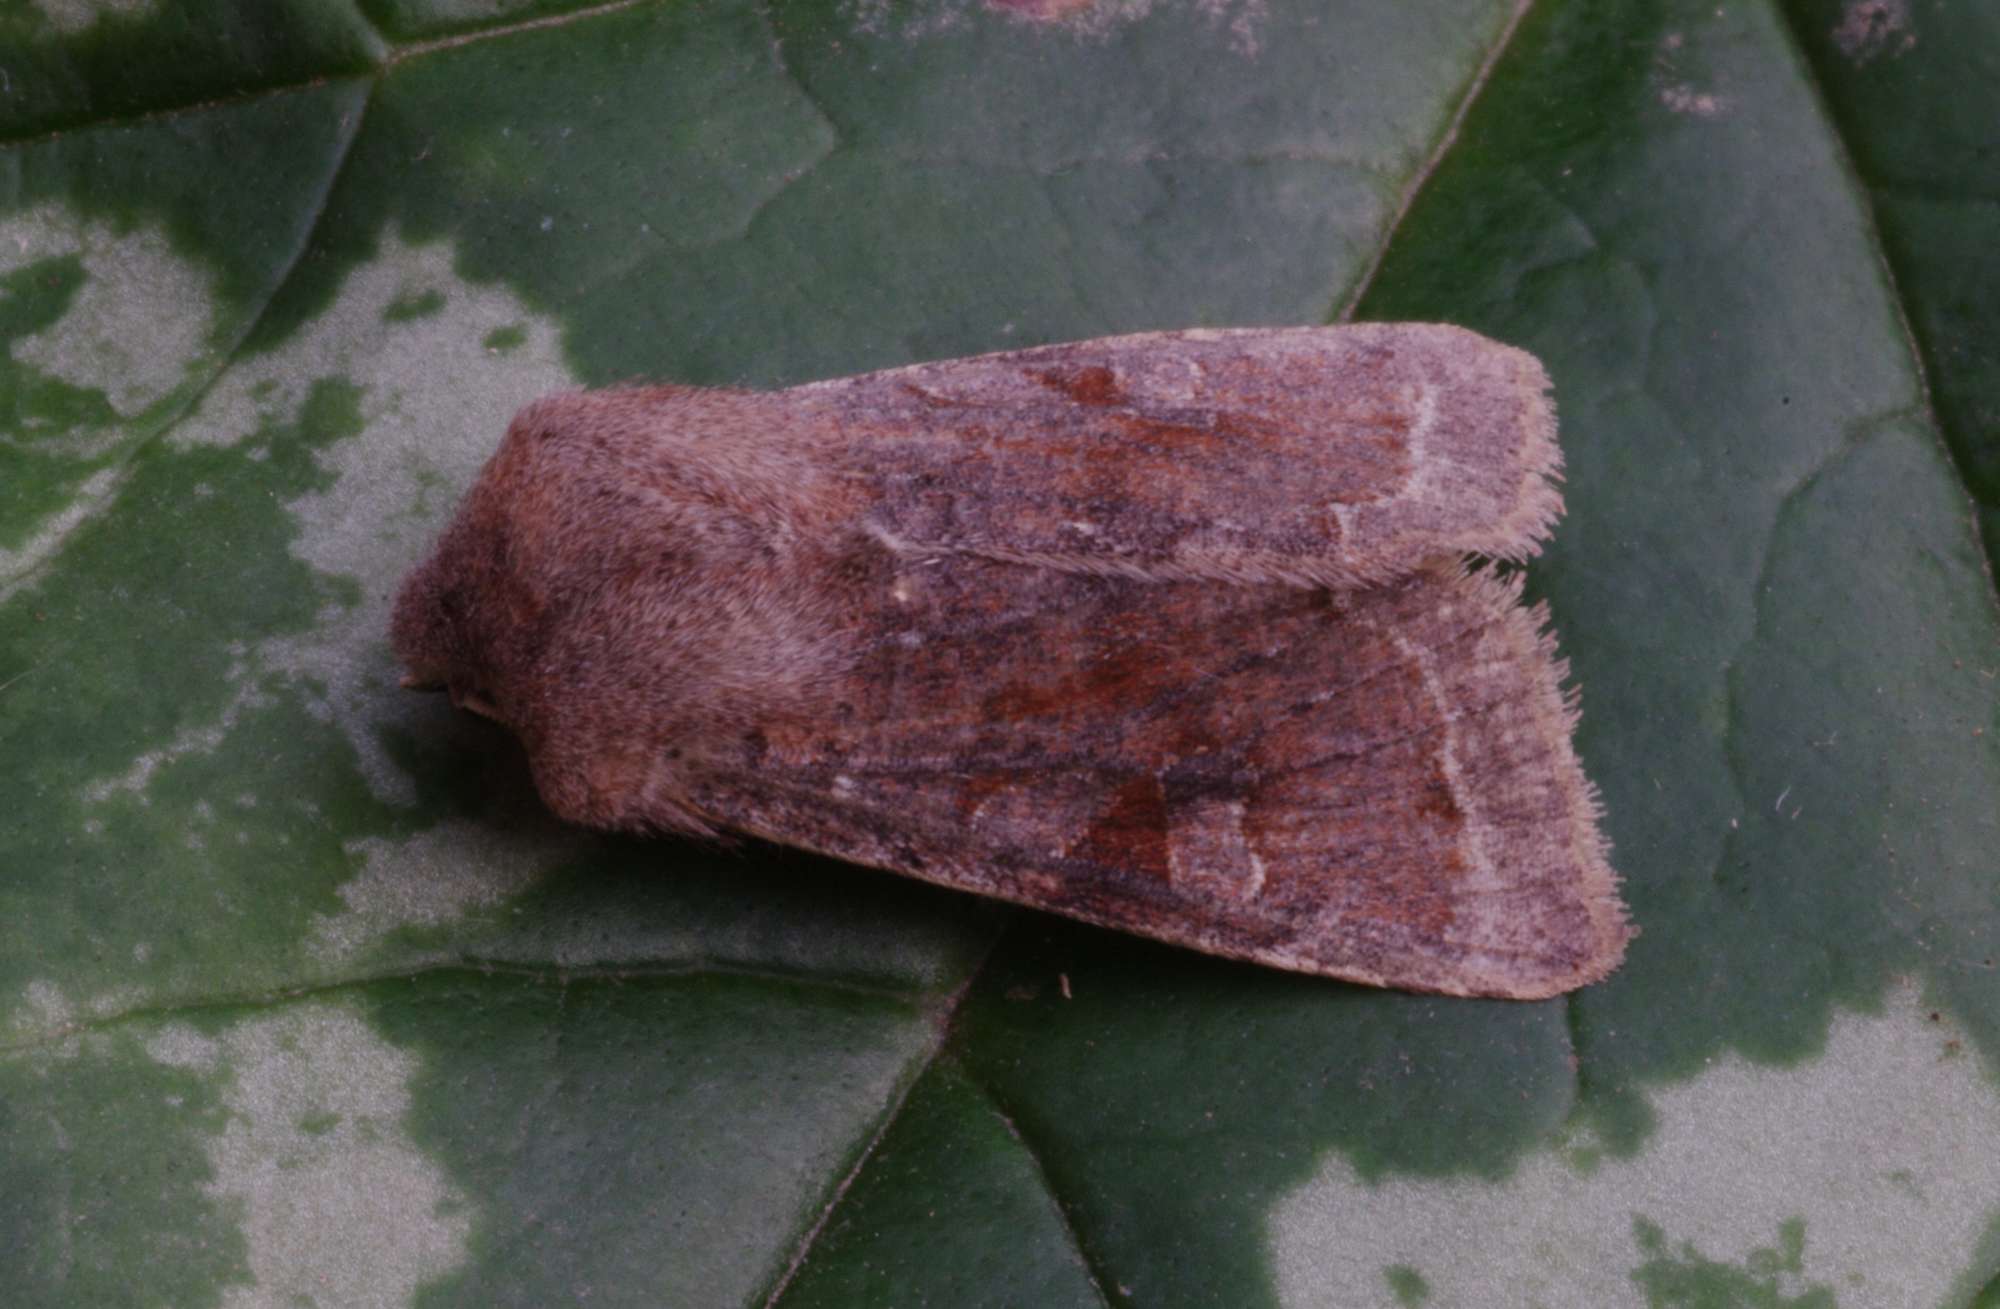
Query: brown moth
1166,632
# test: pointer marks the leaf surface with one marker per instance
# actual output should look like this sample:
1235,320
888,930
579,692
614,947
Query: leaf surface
303,999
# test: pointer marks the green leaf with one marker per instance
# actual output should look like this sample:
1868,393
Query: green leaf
303,998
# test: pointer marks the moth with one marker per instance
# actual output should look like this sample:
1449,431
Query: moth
1173,633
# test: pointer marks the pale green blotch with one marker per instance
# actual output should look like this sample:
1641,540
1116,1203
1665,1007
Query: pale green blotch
85,499
140,324
1239,22
509,337
1680,84
72,16
433,402
44,1012
199,739
142,314
430,300
1406,1284
336,1203
1877,1155
1680,1274
437,877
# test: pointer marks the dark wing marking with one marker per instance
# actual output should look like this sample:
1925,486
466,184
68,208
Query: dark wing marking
1378,785
1331,456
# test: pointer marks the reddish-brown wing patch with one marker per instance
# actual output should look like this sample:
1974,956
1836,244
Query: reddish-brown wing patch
1378,786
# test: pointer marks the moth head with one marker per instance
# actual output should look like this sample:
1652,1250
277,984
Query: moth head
443,627
428,632
476,618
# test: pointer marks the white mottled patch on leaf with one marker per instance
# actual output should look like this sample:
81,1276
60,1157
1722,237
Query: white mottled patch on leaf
434,400
139,324
338,1205
51,532
44,1010
1677,92
1881,1149
183,1047
1684,99
140,317
1870,28
1242,20
435,877
200,739
72,16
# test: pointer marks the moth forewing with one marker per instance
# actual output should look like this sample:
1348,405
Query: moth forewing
1378,787
1335,456
1162,632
